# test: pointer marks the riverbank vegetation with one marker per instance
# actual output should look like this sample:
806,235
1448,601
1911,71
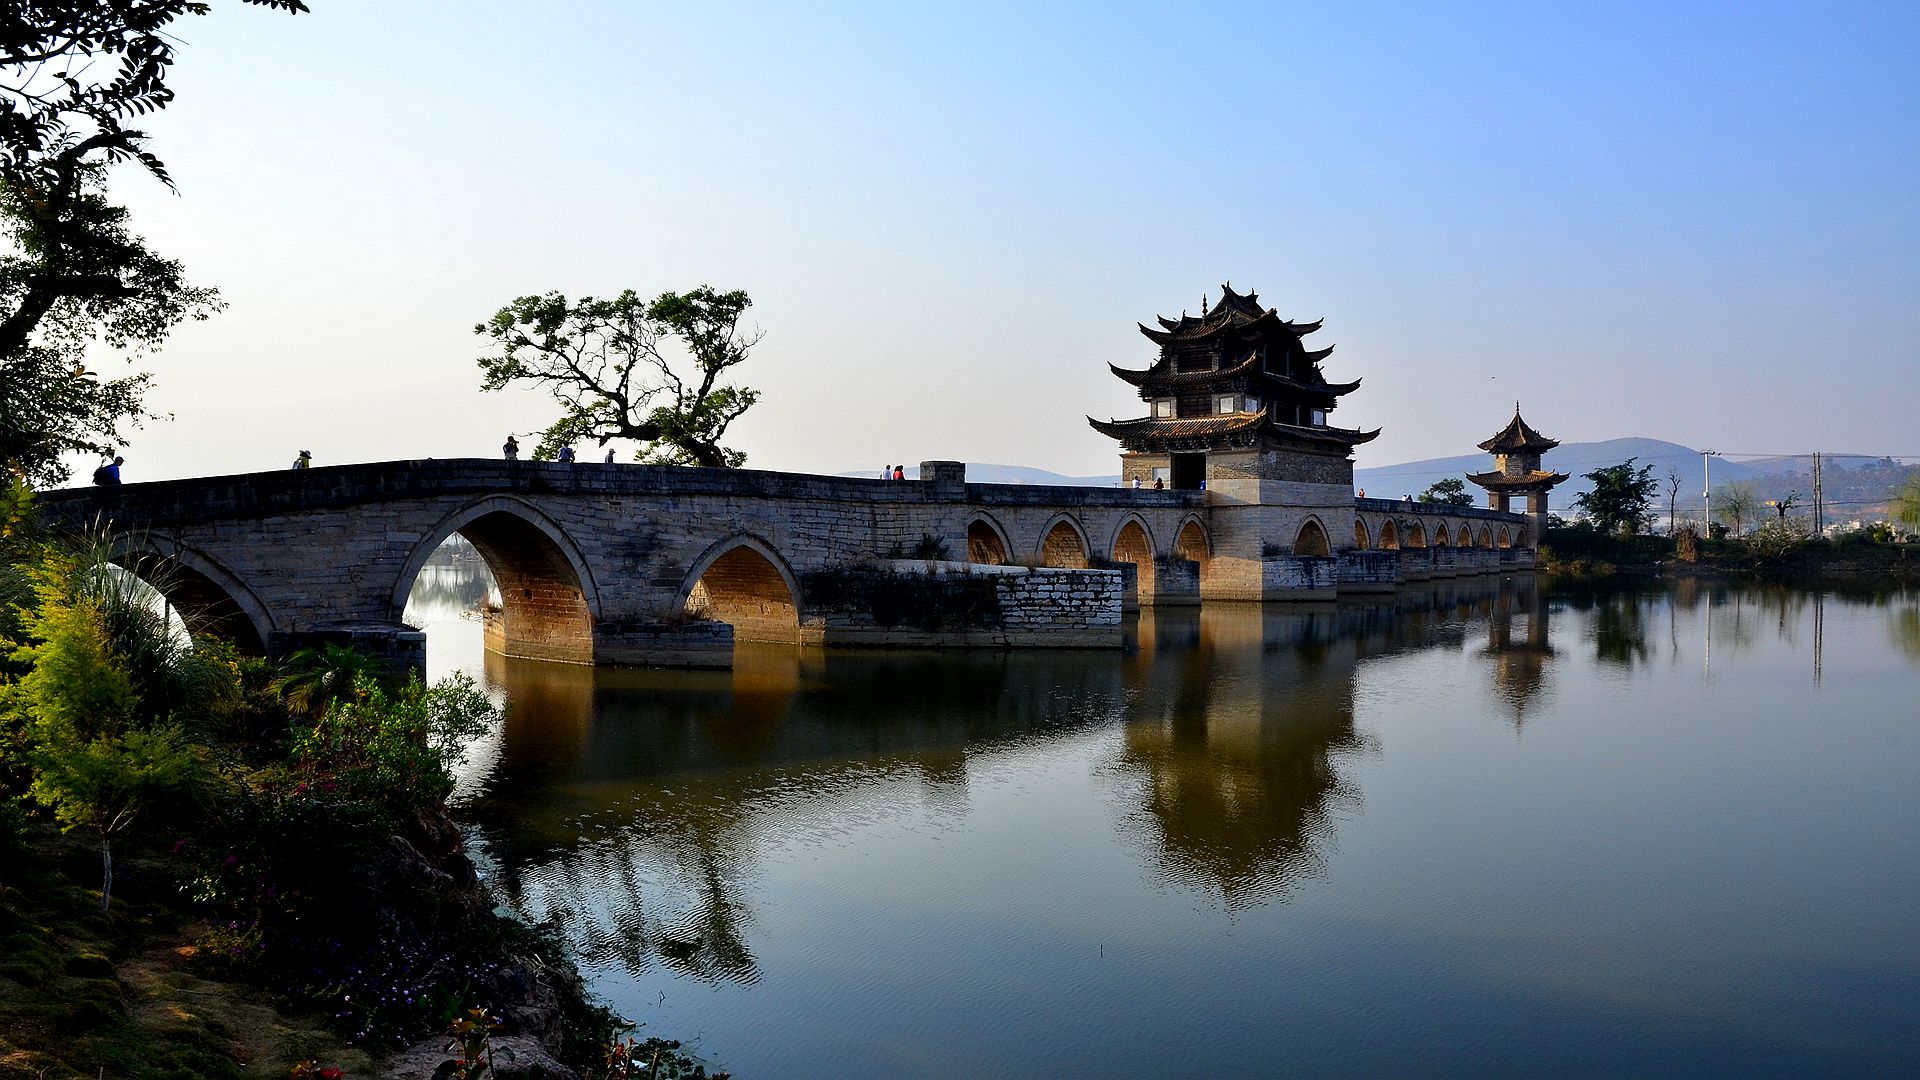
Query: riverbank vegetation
214,866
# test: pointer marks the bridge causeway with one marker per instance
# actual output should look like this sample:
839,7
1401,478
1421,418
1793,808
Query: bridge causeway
601,563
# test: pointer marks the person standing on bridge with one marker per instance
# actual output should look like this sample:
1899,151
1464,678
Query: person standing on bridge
899,472
566,455
305,460
511,448
609,455
109,475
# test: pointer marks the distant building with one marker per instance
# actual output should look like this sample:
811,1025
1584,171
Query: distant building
1516,454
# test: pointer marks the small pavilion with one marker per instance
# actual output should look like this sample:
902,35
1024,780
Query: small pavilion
1516,454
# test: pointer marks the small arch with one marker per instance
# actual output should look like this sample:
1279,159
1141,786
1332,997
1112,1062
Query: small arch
743,581
1506,538
1132,543
1440,535
1486,537
1312,539
549,603
1360,538
1416,535
987,541
1389,536
1194,544
208,597
1063,544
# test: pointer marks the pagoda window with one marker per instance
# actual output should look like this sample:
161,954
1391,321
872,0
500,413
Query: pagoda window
1225,403
1319,417
1253,404
1163,409
1198,360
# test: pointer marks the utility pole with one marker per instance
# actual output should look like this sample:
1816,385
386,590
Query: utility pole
1706,483
1819,500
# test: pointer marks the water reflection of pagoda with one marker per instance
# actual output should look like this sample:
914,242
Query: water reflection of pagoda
1237,744
1519,658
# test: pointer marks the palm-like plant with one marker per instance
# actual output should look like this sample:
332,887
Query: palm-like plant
316,676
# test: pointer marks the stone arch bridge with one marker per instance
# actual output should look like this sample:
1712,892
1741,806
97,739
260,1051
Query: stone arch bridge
653,564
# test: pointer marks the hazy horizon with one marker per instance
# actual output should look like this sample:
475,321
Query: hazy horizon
1694,225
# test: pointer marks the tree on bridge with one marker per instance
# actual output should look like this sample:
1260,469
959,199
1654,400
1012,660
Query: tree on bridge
628,368
73,75
1449,492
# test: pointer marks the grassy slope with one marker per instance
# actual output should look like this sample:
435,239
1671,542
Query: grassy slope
84,992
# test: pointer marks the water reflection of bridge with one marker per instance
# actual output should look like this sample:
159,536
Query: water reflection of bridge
639,802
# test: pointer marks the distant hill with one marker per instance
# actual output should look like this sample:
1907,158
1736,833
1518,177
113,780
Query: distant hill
1414,477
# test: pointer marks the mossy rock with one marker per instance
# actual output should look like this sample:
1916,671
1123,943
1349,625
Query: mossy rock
91,965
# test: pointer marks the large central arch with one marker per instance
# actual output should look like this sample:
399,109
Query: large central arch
743,582
548,601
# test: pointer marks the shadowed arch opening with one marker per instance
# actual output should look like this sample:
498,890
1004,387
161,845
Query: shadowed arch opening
209,601
546,602
1064,545
1440,535
1506,538
986,543
1132,545
1486,537
1194,545
1416,535
1389,537
1360,538
1312,540
746,585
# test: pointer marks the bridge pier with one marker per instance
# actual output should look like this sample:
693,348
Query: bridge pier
402,647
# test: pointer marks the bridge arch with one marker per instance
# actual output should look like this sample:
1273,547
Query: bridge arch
1063,543
744,582
1194,544
1132,542
1416,536
209,598
1312,539
1486,537
1440,535
1360,538
1506,538
549,602
987,541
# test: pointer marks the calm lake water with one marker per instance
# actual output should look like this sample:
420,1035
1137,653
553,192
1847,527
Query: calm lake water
1480,828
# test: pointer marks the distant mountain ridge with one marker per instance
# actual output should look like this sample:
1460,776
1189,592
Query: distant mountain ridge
1575,459
1856,482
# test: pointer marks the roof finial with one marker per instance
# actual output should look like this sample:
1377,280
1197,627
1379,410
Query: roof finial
1203,303
1516,406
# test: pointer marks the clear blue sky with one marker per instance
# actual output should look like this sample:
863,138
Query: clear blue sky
1693,222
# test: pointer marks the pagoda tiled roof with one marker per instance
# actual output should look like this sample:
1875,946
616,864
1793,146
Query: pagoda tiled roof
1517,437
1182,428
1161,375
1496,480
1237,312
1148,427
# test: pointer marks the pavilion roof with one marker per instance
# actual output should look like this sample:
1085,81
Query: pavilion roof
1517,437
1538,478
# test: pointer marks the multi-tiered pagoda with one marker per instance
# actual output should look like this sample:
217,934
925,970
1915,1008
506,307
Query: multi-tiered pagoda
1237,385
1516,454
